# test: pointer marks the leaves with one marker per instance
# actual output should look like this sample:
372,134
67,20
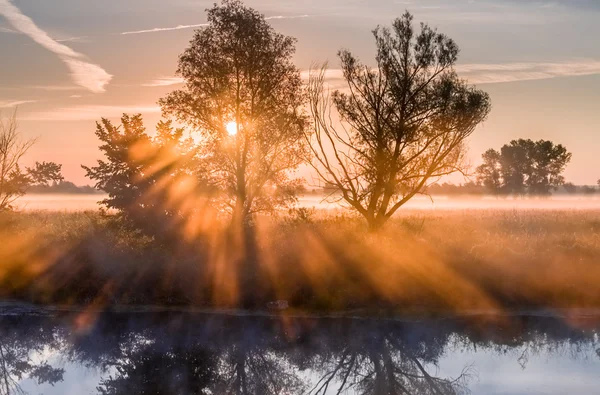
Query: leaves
238,69
524,167
403,124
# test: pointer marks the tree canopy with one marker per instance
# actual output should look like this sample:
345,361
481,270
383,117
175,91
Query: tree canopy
524,167
243,95
143,175
403,124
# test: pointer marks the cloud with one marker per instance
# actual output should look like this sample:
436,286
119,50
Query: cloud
512,72
14,103
164,29
88,112
85,74
165,81
495,73
180,27
6,30
80,39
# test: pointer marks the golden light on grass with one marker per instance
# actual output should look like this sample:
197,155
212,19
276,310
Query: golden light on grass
232,128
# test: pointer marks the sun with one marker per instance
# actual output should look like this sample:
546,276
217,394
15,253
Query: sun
232,128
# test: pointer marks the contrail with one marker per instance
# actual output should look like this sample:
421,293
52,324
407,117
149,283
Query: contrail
83,73
179,27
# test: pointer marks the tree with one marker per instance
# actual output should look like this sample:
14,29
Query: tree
570,188
140,173
489,174
44,173
402,125
549,162
13,181
244,96
524,167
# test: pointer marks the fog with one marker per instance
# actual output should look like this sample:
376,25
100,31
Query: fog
71,202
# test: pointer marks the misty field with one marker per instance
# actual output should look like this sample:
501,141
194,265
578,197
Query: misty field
422,261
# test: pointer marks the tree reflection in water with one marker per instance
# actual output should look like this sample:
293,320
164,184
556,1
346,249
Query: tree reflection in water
18,344
178,354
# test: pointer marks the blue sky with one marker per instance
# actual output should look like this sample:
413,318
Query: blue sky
67,63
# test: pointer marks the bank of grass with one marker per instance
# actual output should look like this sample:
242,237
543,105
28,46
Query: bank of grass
420,262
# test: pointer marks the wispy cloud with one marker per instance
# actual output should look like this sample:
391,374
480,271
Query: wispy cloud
88,112
164,29
6,30
79,39
180,27
14,103
83,73
492,73
512,72
165,81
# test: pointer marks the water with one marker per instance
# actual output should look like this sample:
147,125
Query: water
66,202
177,353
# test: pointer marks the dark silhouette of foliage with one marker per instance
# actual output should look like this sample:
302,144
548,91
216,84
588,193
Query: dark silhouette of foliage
469,188
403,124
239,75
18,344
570,188
489,174
139,172
524,167
45,173
15,182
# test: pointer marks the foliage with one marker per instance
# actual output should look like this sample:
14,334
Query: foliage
524,167
238,71
14,182
44,173
141,174
18,361
403,124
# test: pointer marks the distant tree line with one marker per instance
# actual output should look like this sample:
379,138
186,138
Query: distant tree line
524,167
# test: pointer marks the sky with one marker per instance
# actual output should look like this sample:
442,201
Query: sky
67,63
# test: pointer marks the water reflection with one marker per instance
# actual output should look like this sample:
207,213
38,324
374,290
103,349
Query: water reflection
184,354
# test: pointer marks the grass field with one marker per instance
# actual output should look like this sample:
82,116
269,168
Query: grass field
421,262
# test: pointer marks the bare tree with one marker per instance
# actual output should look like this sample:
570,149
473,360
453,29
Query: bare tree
397,127
13,181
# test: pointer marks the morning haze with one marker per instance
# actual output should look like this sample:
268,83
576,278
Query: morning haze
308,198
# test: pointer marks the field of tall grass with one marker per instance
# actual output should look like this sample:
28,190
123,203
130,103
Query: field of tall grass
421,262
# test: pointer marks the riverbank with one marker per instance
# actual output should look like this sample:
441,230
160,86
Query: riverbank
422,262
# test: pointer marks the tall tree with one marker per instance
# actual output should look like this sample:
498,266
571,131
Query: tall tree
524,167
549,162
402,124
244,96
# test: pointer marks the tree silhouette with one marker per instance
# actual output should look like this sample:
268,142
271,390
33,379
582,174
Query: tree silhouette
244,96
13,181
45,172
139,172
524,167
18,345
402,125
489,174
